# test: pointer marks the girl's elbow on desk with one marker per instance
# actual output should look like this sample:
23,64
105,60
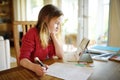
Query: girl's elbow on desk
60,55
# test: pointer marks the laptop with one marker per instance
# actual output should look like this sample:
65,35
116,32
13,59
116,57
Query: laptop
83,45
80,55
84,56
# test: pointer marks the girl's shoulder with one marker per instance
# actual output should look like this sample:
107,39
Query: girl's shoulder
32,31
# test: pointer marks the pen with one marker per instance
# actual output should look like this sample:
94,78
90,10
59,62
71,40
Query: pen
39,62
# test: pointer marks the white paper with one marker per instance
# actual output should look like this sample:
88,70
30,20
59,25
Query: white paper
69,71
7,53
2,56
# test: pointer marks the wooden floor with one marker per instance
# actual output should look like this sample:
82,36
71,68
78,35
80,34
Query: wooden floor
13,62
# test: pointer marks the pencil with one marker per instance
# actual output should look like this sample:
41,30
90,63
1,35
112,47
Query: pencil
39,62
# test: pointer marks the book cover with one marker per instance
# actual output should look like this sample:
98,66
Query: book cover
106,48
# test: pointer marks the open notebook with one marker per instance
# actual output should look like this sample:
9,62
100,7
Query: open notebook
80,55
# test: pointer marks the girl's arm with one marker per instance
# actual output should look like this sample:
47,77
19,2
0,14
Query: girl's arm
32,66
58,45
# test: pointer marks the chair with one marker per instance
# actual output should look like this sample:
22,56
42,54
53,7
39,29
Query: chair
24,26
4,53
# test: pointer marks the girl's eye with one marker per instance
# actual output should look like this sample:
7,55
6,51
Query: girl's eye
57,23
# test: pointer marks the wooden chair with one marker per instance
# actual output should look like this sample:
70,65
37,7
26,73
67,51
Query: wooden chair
25,26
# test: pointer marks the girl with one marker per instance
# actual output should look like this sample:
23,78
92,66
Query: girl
42,41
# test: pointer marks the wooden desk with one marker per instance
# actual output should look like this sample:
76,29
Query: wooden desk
106,71
21,73
102,71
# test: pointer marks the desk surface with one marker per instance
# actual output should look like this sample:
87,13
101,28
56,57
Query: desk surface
106,71
102,71
21,73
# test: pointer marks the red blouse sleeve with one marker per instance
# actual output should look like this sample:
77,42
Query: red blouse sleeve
51,50
28,44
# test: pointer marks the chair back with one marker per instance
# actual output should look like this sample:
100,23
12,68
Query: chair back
18,28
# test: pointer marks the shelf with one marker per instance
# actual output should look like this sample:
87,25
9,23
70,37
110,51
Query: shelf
6,15
4,3
6,11
3,23
3,14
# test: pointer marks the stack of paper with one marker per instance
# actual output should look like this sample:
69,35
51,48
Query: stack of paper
4,54
103,57
104,53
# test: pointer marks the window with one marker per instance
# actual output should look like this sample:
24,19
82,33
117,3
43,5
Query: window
94,26
70,26
98,21
33,8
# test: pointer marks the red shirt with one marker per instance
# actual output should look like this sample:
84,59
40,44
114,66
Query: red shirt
31,47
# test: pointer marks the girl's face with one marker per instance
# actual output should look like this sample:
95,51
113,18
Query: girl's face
54,24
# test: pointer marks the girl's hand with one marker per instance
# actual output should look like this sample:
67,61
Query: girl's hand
40,71
53,36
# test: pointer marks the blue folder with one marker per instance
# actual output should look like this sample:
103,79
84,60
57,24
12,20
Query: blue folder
106,48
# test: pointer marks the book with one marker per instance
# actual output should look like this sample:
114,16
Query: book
104,53
116,57
103,57
106,48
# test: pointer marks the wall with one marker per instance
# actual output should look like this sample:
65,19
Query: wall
114,23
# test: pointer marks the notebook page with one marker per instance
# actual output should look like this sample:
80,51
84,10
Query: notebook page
69,71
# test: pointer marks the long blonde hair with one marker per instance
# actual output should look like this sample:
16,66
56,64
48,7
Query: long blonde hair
47,13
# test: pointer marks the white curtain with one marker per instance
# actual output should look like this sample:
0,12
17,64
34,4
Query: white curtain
19,10
82,20
55,2
114,24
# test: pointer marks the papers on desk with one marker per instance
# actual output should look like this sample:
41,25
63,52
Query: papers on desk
103,57
104,53
4,54
116,57
97,49
69,71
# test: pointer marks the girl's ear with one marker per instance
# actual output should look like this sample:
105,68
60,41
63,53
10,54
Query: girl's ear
46,20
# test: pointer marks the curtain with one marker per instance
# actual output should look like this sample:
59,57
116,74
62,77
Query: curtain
19,10
114,24
58,3
82,20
